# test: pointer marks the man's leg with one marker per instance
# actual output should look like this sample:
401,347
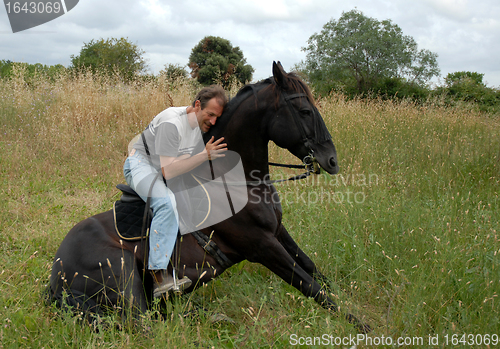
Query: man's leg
165,223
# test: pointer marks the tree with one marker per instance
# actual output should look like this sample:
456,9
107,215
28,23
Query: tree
460,77
215,60
31,71
174,71
5,68
469,87
357,53
111,56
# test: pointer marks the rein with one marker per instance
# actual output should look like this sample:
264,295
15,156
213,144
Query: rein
310,164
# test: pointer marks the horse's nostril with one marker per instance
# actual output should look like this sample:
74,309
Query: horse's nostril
333,163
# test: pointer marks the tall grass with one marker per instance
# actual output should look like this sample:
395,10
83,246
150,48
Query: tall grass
407,232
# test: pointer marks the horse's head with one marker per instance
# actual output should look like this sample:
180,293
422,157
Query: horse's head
298,125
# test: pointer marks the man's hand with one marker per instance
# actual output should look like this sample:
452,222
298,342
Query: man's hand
215,149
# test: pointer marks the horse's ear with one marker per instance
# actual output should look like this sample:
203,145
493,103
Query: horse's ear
279,75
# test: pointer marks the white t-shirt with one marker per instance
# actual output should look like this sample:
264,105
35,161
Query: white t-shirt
169,134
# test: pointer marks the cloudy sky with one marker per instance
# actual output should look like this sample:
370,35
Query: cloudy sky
464,33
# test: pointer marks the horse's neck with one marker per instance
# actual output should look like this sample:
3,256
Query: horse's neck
246,136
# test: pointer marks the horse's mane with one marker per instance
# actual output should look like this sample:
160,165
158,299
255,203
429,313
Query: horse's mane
295,84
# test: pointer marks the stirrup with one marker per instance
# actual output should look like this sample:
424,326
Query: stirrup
175,285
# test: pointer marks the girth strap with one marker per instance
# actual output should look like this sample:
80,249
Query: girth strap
212,249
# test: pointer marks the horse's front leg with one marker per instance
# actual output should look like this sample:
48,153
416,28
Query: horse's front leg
299,256
277,259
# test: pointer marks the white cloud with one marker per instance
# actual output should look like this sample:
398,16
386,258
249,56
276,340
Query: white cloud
463,32
453,9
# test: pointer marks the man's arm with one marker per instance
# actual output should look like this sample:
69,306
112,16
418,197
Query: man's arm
174,166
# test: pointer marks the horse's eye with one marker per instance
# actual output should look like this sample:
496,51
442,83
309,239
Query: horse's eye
305,112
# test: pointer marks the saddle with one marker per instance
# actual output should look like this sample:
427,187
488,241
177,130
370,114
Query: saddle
129,214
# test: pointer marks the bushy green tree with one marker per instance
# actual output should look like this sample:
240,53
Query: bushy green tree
469,87
464,77
111,56
174,71
5,68
357,54
215,60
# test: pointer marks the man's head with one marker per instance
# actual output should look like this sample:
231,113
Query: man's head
209,105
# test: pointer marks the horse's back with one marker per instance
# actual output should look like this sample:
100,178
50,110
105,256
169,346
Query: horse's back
84,252
87,235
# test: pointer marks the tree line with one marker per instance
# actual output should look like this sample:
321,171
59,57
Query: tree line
212,60
355,55
362,56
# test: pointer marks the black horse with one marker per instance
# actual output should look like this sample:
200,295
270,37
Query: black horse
94,267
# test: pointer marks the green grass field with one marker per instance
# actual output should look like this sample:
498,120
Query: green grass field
408,231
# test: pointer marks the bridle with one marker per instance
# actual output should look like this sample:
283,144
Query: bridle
296,118
309,162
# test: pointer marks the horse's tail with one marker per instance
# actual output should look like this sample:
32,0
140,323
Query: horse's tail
73,301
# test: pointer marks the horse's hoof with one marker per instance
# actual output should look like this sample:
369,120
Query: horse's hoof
363,328
218,318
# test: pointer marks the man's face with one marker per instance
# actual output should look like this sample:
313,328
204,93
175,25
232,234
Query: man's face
207,117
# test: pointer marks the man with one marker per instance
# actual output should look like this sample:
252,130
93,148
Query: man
165,149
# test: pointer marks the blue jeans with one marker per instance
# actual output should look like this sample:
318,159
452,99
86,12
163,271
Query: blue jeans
139,175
